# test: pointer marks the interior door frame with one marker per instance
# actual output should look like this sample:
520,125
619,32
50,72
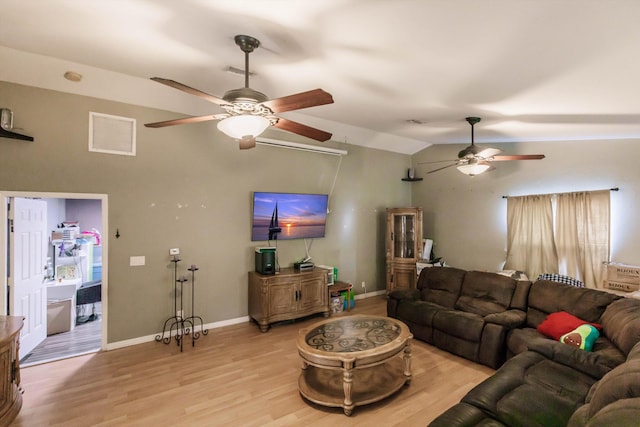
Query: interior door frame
4,246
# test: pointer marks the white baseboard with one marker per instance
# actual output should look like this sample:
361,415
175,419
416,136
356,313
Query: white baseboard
214,325
149,338
370,294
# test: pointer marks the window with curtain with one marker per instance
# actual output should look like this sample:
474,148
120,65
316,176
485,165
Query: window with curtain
564,233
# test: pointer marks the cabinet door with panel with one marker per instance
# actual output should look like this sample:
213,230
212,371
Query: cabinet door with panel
403,276
283,296
403,246
313,295
287,295
11,397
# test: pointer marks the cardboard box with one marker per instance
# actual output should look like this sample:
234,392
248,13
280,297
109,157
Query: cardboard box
61,316
621,286
620,273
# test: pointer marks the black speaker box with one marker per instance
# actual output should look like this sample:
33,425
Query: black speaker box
266,262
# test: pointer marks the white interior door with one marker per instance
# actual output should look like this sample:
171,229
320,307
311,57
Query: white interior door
28,254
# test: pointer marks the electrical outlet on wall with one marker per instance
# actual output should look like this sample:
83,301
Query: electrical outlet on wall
174,251
179,314
364,287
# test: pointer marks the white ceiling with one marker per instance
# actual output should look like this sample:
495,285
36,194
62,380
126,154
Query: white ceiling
531,69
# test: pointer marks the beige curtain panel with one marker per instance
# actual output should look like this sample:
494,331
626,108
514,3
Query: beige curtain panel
575,243
530,244
582,235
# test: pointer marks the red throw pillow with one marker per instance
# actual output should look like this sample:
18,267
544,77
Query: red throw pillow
559,323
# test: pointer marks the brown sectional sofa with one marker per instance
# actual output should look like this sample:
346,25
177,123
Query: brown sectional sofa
544,382
468,313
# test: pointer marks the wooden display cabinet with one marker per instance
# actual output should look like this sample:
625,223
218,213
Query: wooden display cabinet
403,247
287,295
10,393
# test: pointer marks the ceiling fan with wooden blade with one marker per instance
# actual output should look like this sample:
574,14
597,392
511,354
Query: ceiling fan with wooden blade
249,112
475,160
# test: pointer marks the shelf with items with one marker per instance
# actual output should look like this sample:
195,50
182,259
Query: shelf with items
72,259
411,176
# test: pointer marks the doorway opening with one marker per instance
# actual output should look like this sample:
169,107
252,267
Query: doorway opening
66,314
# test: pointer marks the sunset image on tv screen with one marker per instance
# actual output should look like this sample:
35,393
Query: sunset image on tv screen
280,216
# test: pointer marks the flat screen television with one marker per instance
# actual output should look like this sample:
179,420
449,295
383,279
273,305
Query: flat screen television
281,216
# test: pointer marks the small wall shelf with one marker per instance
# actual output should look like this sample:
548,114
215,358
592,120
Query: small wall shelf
412,179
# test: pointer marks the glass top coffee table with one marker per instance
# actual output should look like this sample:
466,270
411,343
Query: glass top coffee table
354,360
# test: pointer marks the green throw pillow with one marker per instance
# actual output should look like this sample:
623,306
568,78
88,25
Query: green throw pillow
581,337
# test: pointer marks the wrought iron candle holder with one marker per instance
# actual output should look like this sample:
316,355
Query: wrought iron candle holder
177,325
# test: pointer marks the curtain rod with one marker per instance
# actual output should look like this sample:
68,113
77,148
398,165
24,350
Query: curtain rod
611,189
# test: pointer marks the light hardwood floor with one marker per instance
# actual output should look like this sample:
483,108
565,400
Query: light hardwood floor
234,376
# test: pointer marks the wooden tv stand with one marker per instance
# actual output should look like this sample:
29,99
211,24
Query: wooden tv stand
287,295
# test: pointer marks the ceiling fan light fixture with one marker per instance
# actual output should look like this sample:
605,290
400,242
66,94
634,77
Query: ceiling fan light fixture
474,168
244,125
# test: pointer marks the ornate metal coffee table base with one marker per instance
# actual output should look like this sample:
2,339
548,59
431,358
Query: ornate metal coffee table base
354,361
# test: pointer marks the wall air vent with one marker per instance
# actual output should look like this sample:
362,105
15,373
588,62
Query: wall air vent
112,134
6,126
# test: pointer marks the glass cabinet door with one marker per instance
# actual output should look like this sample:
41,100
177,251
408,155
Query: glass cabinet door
404,236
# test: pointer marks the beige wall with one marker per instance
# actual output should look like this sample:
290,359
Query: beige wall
466,216
190,187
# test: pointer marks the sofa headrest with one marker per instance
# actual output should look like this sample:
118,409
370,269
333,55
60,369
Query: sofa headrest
441,285
547,297
621,323
484,293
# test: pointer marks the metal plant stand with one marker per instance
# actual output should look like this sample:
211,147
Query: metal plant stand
178,324
193,319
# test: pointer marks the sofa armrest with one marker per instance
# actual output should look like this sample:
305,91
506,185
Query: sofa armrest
405,294
510,319
593,364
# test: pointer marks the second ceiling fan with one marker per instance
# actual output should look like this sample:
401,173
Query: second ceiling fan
475,160
249,112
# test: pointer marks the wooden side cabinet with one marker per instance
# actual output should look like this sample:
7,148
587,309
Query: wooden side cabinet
287,295
403,247
10,393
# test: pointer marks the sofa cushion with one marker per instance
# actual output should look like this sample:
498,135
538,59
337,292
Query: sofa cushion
622,413
559,323
419,312
582,337
621,383
441,285
460,324
483,293
612,409
593,364
621,323
463,414
531,390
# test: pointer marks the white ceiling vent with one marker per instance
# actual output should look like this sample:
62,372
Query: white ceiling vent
112,134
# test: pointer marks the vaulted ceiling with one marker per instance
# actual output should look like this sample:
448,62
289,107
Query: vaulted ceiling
404,74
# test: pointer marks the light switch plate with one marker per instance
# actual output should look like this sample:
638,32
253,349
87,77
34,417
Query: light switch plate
136,261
